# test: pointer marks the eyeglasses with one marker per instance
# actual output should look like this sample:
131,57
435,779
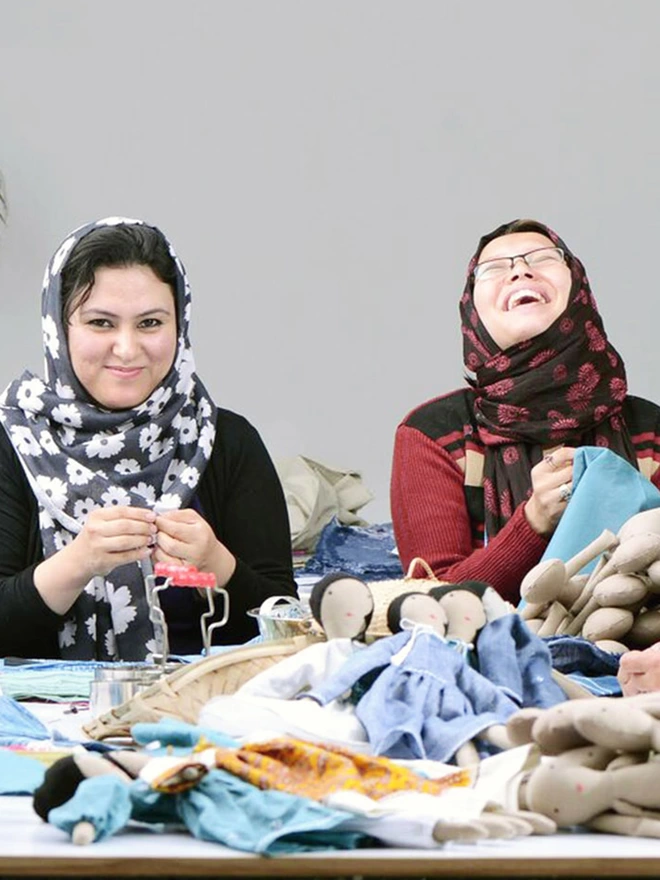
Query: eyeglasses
489,270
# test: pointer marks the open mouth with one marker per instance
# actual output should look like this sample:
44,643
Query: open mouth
525,297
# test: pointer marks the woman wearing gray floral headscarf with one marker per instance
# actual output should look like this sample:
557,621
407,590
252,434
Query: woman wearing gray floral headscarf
120,459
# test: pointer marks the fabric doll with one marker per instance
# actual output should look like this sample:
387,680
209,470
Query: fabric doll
342,605
600,769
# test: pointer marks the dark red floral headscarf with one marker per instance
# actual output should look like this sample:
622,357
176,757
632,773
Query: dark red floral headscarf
566,385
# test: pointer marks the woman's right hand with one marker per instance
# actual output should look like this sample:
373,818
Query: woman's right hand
111,536
114,536
552,483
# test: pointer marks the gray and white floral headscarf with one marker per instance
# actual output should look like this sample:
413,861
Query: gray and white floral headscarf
79,457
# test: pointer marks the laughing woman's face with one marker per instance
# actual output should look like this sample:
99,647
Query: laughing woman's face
521,286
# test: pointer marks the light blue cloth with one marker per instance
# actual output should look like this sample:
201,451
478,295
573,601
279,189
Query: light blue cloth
19,774
175,735
607,491
510,655
18,725
425,704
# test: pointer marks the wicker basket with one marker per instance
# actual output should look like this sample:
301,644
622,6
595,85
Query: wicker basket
182,693
385,591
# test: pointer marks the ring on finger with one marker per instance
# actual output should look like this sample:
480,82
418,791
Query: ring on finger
565,492
548,459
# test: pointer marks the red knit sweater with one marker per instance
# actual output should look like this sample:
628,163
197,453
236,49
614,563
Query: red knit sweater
437,494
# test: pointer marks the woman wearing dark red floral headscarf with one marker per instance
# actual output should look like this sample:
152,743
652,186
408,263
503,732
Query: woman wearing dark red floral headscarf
481,476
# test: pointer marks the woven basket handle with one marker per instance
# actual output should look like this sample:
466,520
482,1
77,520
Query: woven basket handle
427,568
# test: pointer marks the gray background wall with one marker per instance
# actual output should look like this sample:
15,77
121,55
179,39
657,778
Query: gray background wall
324,169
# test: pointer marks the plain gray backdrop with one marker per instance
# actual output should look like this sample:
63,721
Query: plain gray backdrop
325,169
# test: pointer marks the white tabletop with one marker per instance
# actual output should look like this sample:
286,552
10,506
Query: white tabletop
30,846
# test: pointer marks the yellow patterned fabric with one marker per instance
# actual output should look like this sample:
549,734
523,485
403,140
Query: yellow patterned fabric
313,771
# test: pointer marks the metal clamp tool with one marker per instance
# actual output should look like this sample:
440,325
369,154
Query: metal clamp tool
183,576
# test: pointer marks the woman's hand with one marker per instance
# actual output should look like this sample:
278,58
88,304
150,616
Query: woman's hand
114,536
185,537
111,536
552,483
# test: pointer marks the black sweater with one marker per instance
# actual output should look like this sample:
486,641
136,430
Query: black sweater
239,495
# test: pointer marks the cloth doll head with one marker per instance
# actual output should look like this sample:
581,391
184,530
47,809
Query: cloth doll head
342,605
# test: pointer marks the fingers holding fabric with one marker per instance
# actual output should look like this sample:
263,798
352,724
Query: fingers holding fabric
552,486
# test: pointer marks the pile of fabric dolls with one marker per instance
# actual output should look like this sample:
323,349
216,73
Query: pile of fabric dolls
452,728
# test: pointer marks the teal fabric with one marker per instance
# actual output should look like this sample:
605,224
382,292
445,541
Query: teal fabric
222,808
104,801
172,734
19,774
606,492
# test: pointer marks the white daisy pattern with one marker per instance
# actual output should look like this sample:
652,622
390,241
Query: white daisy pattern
127,466
54,489
187,430
66,392
47,443
160,448
24,440
90,626
83,507
67,436
29,395
156,403
144,490
105,445
121,609
149,435
78,474
67,414
169,501
173,472
115,496
67,635
190,477
51,339
61,538
206,438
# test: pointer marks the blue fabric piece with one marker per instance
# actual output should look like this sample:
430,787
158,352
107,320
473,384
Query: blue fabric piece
102,800
425,704
510,655
221,808
363,551
19,774
573,654
170,732
228,810
607,491
599,686
18,725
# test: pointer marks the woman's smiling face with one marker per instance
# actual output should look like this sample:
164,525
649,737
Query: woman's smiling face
122,338
523,301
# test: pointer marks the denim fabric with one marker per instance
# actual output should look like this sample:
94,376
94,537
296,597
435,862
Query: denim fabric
425,704
363,551
606,492
510,655
573,654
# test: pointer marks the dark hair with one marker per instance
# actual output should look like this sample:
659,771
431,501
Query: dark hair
521,225
114,246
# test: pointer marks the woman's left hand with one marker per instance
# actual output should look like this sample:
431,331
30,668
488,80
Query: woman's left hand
184,537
